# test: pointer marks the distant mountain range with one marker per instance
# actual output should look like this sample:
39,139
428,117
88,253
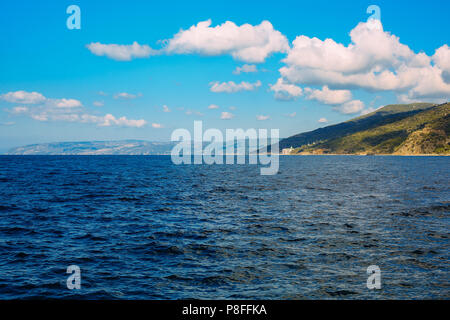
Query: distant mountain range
126,147
405,129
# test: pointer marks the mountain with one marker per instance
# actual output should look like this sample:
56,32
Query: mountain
409,129
126,147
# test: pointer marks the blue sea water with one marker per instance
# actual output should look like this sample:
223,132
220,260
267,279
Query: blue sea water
140,227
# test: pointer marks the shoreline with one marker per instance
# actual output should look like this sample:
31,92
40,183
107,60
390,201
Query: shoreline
298,154
370,155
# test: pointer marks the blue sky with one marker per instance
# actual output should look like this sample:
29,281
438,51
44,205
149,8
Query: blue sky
82,91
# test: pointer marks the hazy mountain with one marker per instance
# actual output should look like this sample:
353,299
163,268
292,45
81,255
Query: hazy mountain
125,147
394,129
130,147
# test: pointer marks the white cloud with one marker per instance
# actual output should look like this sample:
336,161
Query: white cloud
291,115
109,120
369,47
65,103
125,96
247,43
231,86
285,91
350,107
70,110
23,97
213,106
166,108
441,59
226,115
98,103
246,68
19,110
197,113
157,125
322,120
36,98
375,60
328,96
262,118
121,52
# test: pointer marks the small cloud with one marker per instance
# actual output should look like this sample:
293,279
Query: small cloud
126,96
291,115
39,116
101,93
246,68
232,108
350,107
189,112
226,115
19,110
262,118
98,103
285,91
121,52
322,120
109,120
166,108
68,110
213,106
23,97
231,86
157,125
65,103
328,96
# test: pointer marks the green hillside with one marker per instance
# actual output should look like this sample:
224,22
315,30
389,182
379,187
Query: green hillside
395,129
385,115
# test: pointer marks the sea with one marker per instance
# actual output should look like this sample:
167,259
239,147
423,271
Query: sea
141,227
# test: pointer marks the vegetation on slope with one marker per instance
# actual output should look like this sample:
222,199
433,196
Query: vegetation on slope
421,131
385,115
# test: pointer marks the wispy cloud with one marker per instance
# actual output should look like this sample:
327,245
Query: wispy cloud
246,68
262,118
196,113
231,86
291,115
285,91
98,103
23,97
126,96
40,108
226,115
121,52
157,125
350,107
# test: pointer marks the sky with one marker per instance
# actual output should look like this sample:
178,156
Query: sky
141,69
